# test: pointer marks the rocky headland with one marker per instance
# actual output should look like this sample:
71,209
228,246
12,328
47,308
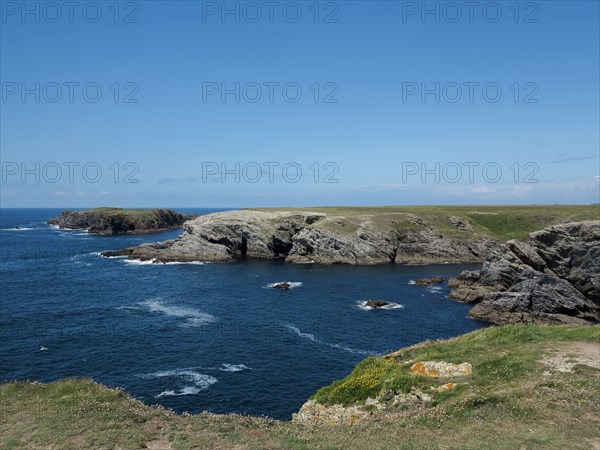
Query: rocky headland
315,237
108,221
552,278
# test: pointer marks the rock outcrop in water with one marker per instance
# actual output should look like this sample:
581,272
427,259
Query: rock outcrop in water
305,237
428,281
552,278
107,221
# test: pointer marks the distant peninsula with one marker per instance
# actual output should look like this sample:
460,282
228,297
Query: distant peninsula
357,235
110,221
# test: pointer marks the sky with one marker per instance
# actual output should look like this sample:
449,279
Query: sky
242,104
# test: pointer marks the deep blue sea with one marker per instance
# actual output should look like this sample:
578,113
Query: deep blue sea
196,337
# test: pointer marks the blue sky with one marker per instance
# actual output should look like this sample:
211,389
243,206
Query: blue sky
361,132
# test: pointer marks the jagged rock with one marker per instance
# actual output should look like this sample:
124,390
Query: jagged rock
553,278
441,369
376,303
107,221
307,237
460,223
428,281
283,285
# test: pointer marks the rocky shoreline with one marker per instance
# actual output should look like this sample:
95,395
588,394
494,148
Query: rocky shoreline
110,221
552,278
306,237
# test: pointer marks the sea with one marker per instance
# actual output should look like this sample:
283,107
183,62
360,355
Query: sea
201,336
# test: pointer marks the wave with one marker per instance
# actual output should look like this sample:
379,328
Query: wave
18,229
139,262
435,289
188,390
364,307
173,263
200,381
293,284
154,261
193,317
312,338
233,367
412,282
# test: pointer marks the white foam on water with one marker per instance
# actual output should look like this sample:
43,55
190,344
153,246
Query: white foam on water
155,262
364,307
200,381
233,367
139,262
193,317
293,284
435,289
17,229
312,337
411,282
109,257
296,330
188,390
174,263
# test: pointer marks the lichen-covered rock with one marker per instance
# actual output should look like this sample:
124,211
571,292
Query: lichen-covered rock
317,414
441,369
553,278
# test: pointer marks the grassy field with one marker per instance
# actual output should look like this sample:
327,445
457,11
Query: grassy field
509,402
500,222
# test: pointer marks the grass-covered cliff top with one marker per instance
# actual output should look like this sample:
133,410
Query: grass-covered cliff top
517,397
499,222
129,212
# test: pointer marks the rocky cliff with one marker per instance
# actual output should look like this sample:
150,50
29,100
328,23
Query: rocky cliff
306,237
108,221
552,278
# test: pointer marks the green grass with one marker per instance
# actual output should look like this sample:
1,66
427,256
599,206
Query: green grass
499,222
516,352
506,403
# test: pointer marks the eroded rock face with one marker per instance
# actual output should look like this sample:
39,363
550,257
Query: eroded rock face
306,237
552,278
107,221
